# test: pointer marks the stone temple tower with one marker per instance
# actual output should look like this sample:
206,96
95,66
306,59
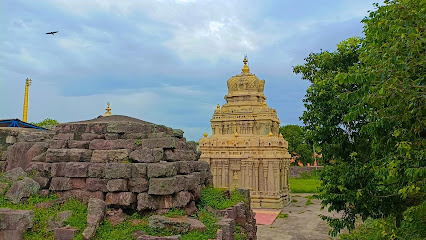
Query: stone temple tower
246,149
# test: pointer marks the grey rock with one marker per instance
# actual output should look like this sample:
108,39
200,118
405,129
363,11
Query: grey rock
96,210
164,223
23,188
14,174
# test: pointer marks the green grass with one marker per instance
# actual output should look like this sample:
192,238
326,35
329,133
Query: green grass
309,202
213,197
282,215
37,232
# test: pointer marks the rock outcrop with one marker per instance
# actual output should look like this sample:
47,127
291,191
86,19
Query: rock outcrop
14,223
127,162
96,211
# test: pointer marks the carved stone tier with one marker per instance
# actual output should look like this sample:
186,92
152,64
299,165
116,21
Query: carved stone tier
246,150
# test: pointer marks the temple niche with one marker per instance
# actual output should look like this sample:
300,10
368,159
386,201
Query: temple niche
246,149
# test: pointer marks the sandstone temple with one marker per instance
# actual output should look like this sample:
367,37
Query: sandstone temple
246,149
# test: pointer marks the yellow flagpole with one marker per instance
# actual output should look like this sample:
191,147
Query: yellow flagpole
25,114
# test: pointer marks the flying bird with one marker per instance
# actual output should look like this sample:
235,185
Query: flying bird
53,33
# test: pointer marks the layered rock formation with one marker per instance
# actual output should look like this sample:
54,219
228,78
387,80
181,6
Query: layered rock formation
125,161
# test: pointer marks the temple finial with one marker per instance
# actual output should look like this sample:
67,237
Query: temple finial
108,109
245,68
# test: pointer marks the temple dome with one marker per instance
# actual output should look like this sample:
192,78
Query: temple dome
245,81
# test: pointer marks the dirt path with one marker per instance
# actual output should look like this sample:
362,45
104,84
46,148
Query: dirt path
303,222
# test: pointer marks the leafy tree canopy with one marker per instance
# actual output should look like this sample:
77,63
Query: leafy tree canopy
297,144
365,108
47,123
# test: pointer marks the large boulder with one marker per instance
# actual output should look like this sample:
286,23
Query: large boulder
96,210
14,223
23,188
14,174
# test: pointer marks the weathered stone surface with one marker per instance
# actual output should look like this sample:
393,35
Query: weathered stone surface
171,224
121,198
34,136
64,136
44,192
185,167
78,183
196,225
40,169
90,136
50,203
129,127
57,221
180,155
162,169
118,170
68,155
147,155
191,181
138,185
23,188
146,201
3,187
39,158
165,186
81,195
14,174
96,184
65,233
165,142
191,208
116,217
20,154
201,166
105,156
181,199
139,170
43,181
96,170
58,169
58,144
14,223
96,210
111,136
2,165
78,144
178,133
76,169
148,237
60,184
227,225
101,144
117,185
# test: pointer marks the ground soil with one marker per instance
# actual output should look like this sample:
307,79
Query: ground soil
302,223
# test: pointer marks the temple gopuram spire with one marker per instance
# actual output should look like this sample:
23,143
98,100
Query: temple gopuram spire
246,149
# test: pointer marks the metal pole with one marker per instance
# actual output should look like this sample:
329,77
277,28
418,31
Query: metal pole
25,114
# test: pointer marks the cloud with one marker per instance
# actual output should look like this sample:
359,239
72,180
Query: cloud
162,61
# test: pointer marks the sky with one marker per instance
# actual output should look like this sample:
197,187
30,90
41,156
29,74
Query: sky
162,61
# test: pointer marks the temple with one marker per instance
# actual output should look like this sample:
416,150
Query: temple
246,149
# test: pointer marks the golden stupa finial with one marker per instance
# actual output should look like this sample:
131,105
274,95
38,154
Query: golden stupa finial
236,134
245,68
270,134
108,109
281,135
218,106
205,134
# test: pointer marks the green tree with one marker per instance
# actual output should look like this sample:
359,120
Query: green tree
46,123
297,144
365,108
